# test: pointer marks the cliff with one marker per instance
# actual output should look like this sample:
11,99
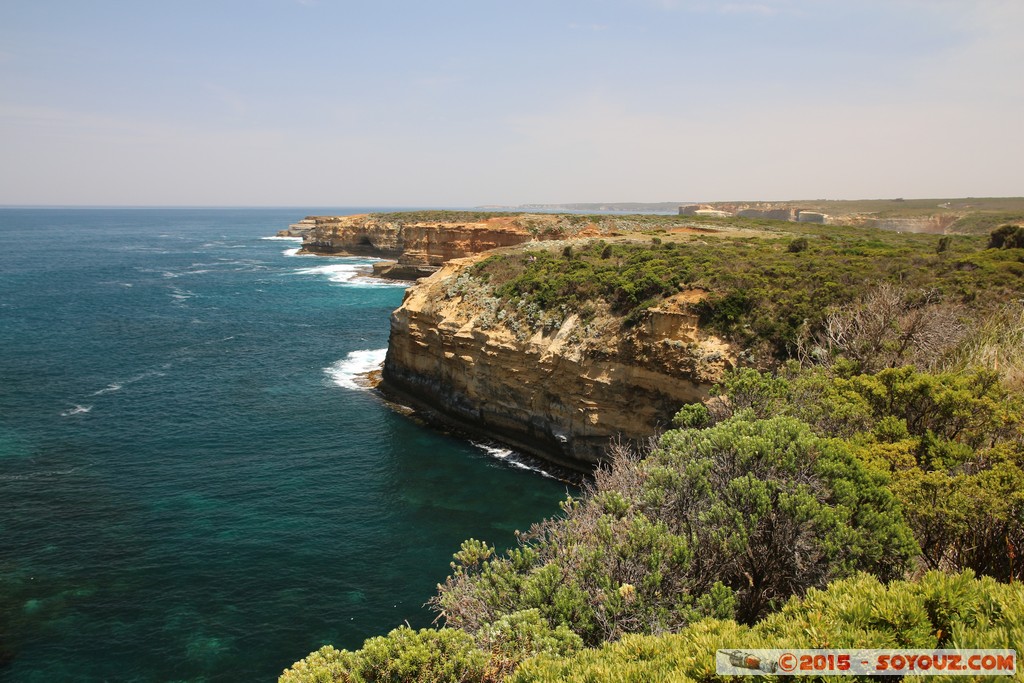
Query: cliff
559,391
418,246
933,216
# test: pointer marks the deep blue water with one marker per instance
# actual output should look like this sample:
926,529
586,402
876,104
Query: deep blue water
191,485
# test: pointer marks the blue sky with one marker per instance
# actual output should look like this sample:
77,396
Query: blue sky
323,102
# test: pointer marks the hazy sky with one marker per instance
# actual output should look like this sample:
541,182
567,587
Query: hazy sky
466,102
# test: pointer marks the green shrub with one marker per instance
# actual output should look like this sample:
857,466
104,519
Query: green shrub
952,445
425,656
939,611
516,637
1007,237
760,292
727,521
326,665
692,415
797,245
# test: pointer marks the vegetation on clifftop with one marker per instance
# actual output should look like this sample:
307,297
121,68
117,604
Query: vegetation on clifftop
938,611
813,479
868,493
761,291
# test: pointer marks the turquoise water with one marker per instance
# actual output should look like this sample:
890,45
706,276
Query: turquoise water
192,484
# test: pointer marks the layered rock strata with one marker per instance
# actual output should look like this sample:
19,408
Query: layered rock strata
418,248
561,394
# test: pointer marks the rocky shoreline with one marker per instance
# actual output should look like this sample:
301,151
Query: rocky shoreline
560,395
413,248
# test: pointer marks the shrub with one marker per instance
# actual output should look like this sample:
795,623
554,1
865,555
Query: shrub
888,327
939,611
726,521
760,292
797,245
692,415
521,635
952,445
1007,237
425,656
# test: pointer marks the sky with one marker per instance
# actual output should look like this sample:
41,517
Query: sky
484,102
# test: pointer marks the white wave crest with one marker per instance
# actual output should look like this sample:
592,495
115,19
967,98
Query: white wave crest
120,384
180,295
43,473
509,457
351,275
291,252
286,239
351,371
77,410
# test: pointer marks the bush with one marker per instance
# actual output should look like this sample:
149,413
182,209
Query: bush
939,611
888,326
798,245
692,415
438,656
760,292
1007,237
952,445
425,656
726,521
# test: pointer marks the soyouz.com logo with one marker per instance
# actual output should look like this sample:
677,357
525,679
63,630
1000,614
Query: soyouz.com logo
866,662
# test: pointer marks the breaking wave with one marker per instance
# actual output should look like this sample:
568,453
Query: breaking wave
351,371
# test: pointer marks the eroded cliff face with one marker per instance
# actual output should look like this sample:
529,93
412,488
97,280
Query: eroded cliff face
937,224
418,247
560,394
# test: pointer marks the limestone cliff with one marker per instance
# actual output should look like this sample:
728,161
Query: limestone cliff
561,392
418,246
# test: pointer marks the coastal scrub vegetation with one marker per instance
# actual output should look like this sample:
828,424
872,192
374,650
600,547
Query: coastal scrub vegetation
764,292
1007,237
937,611
441,216
785,512
774,515
868,492
727,521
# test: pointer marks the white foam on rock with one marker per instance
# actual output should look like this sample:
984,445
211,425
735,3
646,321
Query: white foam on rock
351,371
350,275
509,457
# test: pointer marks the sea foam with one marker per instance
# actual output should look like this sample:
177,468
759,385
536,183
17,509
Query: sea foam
351,371
510,457
77,410
350,275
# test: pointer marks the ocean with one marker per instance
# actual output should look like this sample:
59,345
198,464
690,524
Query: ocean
194,484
